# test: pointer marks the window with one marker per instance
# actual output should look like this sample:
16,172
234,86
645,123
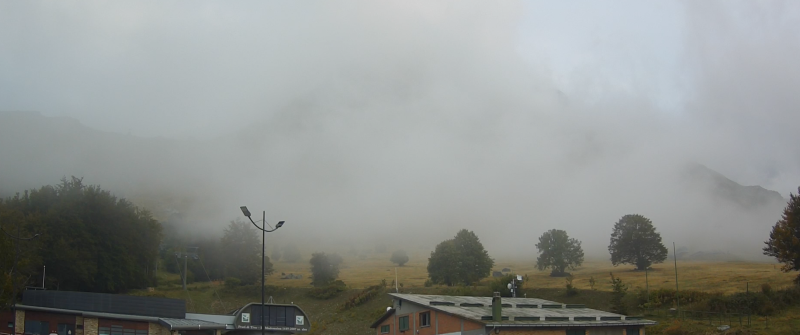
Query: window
632,331
403,323
385,329
425,319
576,331
33,327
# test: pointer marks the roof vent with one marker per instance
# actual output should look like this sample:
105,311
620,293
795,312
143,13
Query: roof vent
471,304
610,318
556,318
490,318
576,306
526,318
527,306
441,303
551,306
585,318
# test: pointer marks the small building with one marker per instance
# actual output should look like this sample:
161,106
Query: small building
84,313
416,314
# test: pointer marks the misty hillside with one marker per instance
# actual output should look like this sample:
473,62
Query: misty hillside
729,190
39,150
191,179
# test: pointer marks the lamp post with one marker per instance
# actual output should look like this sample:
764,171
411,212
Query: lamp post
263,249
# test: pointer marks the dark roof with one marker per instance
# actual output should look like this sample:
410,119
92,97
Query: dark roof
388,313
106,303
187,324
521,312
89,314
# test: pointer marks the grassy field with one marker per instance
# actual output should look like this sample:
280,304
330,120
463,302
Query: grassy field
329,316
723,277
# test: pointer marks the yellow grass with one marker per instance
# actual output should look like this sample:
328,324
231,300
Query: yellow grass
724,277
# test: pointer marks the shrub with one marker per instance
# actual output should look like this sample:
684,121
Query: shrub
362,297
618,291
232,282
766,289
571,290
428,283
329,291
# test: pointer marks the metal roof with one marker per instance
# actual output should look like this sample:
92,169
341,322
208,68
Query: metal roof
227,320
187,324
528,312
106,303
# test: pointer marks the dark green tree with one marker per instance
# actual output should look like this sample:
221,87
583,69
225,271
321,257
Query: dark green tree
558,252
784,239
399,257
324,269
635,241
462,260
243,253
89,239
18,258
443,264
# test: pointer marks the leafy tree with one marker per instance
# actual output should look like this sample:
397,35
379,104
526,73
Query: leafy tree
243,253
559,252
324,269
784,239
443,264
635,241
399,257
18,259
462,260
89,239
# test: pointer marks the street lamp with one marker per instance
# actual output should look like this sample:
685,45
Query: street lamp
263,251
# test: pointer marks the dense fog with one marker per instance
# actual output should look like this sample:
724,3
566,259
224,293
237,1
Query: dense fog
400,122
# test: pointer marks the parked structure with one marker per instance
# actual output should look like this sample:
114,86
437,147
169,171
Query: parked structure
438,314
83,313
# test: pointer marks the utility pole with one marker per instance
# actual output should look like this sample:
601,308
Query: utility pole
677,294
185,274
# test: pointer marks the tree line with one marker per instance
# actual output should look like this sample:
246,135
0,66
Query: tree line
464,261
88,239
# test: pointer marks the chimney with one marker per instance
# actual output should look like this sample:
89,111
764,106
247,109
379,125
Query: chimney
497,307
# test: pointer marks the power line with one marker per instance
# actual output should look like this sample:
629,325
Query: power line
212,286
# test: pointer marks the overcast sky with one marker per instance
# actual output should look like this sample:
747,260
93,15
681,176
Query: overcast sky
433,110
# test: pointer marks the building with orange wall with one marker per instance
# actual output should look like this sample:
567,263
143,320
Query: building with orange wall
416,314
